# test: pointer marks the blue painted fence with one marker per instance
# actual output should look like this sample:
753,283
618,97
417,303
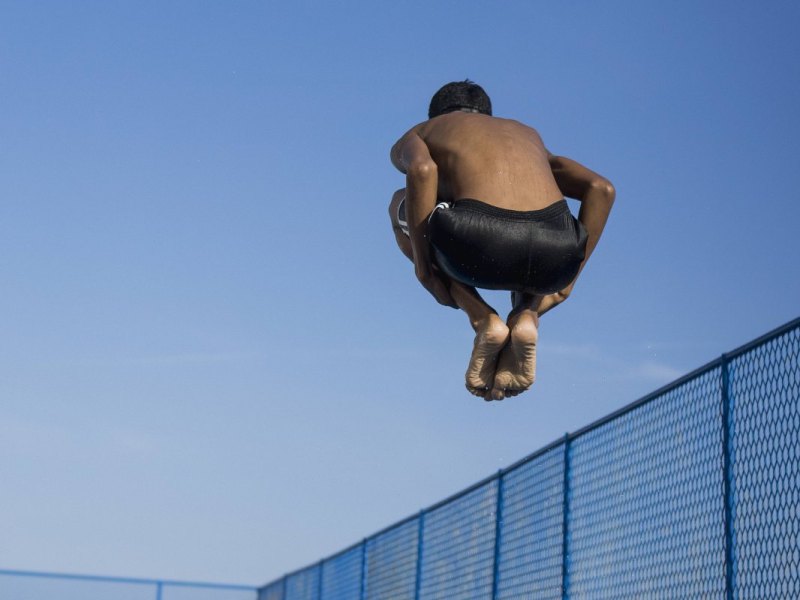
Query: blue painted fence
690,492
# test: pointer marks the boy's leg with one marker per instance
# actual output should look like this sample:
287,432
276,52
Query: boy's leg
516,366
491,334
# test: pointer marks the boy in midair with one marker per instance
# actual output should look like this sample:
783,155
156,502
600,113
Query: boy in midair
484,207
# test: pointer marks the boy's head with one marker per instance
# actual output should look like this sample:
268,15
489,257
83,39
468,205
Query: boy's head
460,95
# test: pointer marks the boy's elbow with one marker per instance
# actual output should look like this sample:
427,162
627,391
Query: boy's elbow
604,189
422,169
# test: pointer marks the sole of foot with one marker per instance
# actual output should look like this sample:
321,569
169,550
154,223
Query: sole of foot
491,335
516,364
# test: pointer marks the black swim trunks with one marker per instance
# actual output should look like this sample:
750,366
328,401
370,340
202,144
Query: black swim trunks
480,245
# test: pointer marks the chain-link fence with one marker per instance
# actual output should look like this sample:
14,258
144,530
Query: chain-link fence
691,492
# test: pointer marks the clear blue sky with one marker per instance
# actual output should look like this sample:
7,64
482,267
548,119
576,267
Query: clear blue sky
214,363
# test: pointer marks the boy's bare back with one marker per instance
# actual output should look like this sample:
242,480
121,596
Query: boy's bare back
497,161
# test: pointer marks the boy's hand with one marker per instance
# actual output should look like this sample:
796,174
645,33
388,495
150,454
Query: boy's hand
553,300
433,280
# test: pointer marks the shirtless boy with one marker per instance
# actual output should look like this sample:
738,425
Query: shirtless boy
484,207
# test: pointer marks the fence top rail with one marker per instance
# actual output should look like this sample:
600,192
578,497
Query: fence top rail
760,341
128,580
726,357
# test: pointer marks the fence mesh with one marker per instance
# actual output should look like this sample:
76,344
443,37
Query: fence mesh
646,502
273,591
765,416
458,547
304,585
531,527
341,575
692,492
392,563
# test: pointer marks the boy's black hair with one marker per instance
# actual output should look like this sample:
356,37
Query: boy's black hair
458,95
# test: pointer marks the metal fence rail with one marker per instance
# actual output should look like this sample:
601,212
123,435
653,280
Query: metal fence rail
36,585
691,492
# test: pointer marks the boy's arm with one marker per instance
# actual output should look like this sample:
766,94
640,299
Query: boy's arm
596,194
410,155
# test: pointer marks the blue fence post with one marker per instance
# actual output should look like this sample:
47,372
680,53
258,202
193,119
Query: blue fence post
283,587
420,531
498,513
363,590
565,522
319,579
727,479
159,587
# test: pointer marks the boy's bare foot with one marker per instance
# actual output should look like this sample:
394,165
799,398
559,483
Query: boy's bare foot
516,367
491,334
